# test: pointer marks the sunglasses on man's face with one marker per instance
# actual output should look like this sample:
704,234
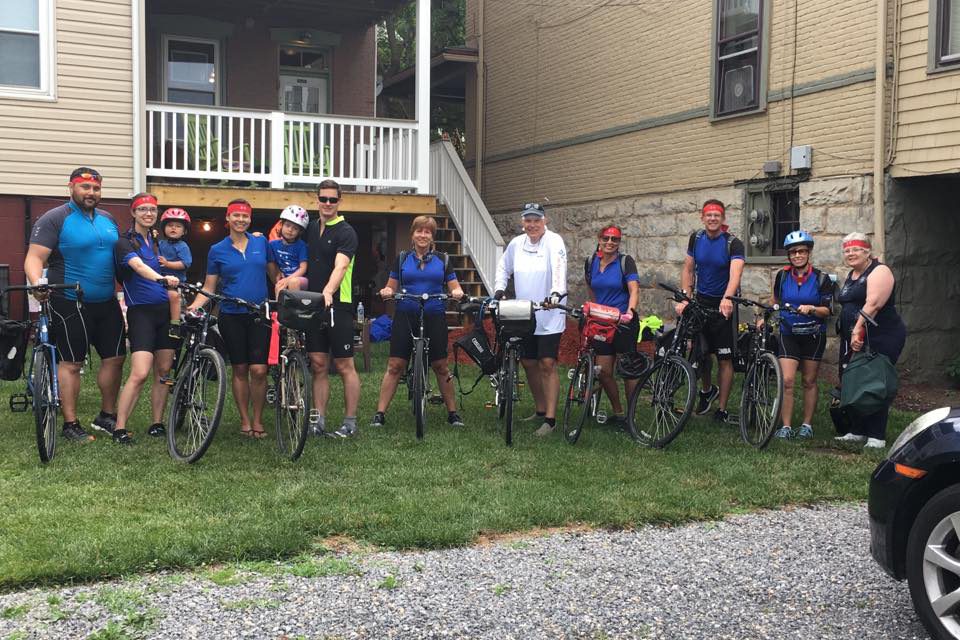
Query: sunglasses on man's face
325,200
610,238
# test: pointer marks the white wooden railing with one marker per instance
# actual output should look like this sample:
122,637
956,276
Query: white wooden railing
279,149
454,188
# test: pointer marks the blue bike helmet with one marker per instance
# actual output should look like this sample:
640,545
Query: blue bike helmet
798,237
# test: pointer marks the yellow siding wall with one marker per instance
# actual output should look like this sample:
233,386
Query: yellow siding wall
91,121
927,129
559,70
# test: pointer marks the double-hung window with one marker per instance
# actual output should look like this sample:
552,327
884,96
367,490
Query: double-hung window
945,27
26,49
738,57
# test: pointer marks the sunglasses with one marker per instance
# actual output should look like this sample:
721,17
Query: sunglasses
146,209
610,239
798,252
325,200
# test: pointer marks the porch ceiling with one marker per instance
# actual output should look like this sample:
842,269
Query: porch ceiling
330,15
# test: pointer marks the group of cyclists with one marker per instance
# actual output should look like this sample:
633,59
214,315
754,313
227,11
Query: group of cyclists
79,242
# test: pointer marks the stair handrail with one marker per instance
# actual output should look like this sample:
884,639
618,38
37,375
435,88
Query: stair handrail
453,187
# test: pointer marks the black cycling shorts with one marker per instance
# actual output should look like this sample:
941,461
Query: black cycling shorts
405,324
805,347
536,347
247,340
718,331
624,340
148,327
336,340
74,328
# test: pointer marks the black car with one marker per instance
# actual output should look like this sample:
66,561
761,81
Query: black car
915,517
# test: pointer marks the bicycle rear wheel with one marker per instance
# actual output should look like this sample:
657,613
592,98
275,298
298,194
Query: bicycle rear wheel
760,400
294,400
196,406
44,403
662,402
418,386
579,400
508,385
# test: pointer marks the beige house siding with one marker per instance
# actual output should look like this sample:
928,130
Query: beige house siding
91,120
556,73
927,129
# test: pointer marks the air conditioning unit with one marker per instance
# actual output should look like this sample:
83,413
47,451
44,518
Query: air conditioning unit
737,89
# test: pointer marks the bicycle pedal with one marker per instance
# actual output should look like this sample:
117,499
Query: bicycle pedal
435,399
19,402
601,417
488,405
570,374
314,416
271,395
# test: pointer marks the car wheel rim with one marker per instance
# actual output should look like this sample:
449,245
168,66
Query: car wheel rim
941,572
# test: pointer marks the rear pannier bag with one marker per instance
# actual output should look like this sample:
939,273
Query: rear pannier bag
300,310
13,348
515,318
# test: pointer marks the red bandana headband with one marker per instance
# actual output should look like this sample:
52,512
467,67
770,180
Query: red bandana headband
863,244
611,231
714,208
95,178
239,207
142,200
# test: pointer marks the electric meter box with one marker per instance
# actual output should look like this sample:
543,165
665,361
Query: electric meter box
801,158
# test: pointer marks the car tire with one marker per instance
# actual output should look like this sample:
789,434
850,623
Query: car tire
935,535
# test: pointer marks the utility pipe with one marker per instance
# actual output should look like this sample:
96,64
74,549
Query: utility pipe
479,128
879,156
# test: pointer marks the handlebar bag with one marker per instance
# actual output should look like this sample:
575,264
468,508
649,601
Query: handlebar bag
300,310
13,348
600,322
516,318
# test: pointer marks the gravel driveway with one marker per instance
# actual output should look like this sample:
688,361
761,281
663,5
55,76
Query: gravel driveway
800,573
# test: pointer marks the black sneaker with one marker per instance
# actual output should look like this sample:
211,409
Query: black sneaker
122,436
455,420
73,431
157,430
378,419
106,422
706,399
721,416
616,421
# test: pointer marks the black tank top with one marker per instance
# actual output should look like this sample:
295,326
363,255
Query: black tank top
852,297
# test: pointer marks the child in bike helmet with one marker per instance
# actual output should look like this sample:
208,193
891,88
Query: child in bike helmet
175,257
290,251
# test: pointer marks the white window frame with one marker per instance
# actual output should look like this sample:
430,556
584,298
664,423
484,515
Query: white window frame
218,63
46,19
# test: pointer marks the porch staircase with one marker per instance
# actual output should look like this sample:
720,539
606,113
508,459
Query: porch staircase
447,239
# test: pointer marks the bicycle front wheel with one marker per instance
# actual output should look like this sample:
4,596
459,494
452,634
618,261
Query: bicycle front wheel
508,386
418,394
578,402
760,400
662,402
294,400
44,403
196,406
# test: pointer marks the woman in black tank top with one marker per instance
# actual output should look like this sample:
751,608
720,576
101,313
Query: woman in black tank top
869,287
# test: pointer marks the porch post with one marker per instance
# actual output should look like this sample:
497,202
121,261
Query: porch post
423,96
277,140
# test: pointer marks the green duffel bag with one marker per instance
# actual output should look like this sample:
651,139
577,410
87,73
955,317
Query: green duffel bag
869,383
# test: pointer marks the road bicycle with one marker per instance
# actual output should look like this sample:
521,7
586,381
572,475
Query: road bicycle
418,366
42,392
662,402
762,388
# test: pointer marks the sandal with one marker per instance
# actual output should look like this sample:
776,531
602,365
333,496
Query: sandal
246,432
258,433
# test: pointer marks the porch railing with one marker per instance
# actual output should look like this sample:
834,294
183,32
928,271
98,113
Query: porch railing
454,188
279,149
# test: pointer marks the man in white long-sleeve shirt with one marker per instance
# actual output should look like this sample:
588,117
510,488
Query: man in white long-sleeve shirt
537,261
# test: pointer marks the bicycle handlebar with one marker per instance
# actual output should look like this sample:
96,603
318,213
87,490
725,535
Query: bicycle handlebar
422,298
217,297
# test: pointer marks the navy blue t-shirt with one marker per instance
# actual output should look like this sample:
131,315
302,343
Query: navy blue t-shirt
788,289
609,285
713,262
242,275
138,290
430,279
288,256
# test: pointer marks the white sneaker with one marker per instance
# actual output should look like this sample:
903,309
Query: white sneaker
874,443
851,437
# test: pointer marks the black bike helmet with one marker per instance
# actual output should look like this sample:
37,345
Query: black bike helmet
632,365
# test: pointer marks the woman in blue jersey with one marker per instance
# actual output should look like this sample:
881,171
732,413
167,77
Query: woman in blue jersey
803,333
148,315
239,264
612,280
419,270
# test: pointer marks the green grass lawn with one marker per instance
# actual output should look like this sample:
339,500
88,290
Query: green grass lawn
102,510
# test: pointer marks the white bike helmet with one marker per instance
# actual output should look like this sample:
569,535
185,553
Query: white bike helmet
297,215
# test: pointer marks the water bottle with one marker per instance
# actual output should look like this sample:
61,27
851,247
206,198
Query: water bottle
360,313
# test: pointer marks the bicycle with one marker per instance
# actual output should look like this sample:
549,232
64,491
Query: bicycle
665,394
762,390
597,323
199,383
43,388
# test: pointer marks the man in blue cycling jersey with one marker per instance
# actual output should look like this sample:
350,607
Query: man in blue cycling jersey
75,242
714,260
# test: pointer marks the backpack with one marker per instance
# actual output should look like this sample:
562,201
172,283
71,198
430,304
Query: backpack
696,235
403,257
822,279
588,270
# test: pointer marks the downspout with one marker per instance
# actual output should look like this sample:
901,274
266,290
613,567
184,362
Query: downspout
879,156
481,72
139,106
